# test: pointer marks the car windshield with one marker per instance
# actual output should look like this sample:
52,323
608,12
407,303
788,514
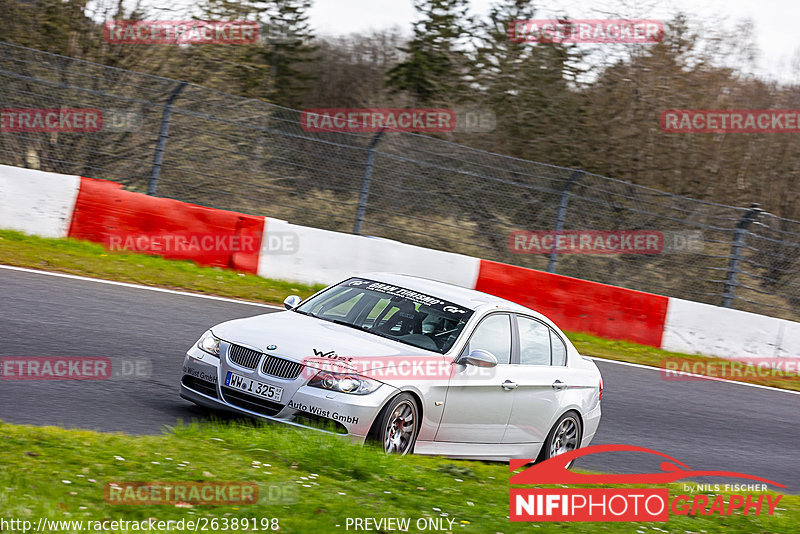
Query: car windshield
386,310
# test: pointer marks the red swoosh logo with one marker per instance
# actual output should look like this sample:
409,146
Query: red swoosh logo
554,470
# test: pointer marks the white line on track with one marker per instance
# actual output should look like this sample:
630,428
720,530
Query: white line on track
138,286
235,301
704,377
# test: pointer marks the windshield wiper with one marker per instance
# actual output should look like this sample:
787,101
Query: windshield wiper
345,323
387,336
362,328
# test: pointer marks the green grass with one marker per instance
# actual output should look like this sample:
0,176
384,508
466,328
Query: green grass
93,260
310,481
89,259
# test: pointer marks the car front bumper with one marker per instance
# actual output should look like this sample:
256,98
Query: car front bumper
202,382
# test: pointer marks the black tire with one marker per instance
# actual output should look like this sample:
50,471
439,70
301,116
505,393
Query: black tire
566,435
397,425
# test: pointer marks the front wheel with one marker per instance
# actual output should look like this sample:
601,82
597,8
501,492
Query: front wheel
398,424
565,436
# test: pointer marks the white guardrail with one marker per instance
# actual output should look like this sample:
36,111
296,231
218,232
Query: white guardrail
42,203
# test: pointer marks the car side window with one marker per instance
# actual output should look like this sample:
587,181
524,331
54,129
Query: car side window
493,335
534,342
559,349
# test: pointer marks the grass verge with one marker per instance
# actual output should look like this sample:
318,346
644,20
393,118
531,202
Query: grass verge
309,481
92,260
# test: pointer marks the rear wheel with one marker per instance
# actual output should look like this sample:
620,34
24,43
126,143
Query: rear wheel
398,424
565,436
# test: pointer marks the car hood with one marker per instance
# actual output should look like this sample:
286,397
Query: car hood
301,337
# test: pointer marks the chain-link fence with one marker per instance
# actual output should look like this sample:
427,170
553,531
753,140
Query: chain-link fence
187,142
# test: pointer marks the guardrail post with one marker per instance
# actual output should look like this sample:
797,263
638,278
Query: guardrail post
739,234
362,197
561,215
162,139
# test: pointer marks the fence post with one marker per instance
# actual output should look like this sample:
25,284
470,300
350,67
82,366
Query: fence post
362,197
561,215
162,139
738,242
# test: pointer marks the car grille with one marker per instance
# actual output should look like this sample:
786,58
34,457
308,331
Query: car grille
201,386
281,368
248,402
245,357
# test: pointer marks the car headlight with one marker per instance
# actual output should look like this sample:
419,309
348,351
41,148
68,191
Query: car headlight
208,343
344,383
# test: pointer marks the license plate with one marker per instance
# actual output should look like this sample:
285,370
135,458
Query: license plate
254,387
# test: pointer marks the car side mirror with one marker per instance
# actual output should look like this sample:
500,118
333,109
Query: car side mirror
291,302
481,358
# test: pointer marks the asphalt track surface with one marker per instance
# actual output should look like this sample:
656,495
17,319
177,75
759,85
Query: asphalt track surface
707,425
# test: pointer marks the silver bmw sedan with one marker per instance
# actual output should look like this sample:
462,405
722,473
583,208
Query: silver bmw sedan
412,364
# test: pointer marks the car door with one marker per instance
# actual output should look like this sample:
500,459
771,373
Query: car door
541,377
477,406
